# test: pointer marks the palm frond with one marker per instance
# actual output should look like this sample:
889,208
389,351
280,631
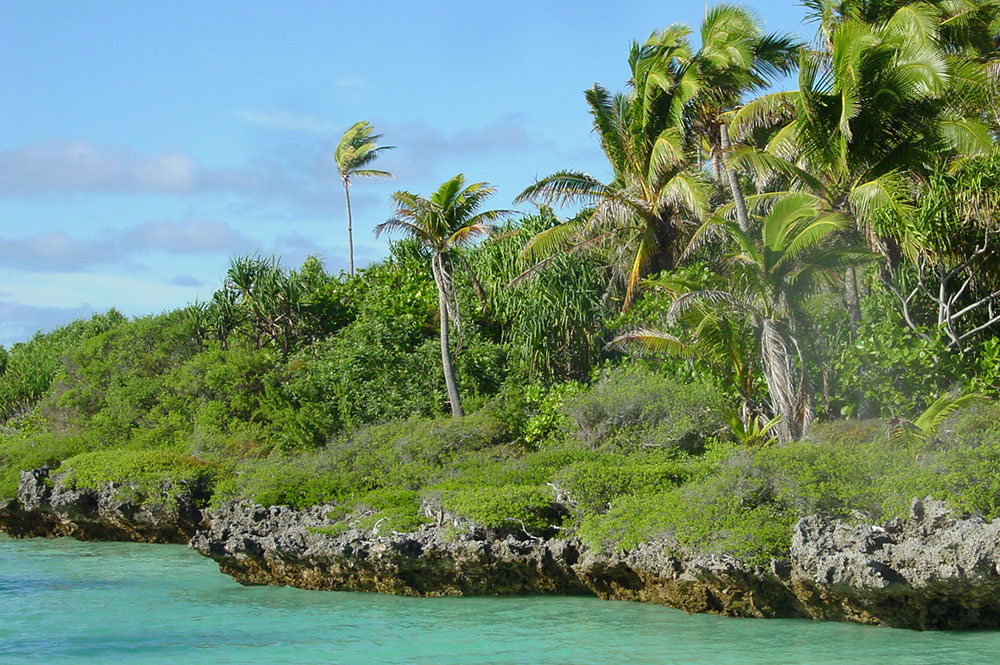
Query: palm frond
372,173
764,112
563,187
546,243
939,410
652,340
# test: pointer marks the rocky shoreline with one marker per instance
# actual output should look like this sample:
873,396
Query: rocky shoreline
45,507
933,570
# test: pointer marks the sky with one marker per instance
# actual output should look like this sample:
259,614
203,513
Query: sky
144,144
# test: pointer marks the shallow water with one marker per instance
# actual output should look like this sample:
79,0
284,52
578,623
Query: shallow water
63,601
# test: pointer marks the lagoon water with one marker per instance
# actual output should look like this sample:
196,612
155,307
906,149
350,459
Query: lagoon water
63,601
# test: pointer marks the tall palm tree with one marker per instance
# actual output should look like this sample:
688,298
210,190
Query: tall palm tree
677,101
357,149
657,193
768,279
736,58
450,218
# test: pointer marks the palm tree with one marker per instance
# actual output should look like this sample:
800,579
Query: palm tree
735,59
879,103
769,277
449,219
357,149
657,193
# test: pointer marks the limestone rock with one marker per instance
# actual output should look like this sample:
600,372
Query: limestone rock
46,507
932,570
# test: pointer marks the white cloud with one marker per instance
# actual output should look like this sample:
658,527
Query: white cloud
421,145
194,236
351,82
186,280
58,166
61,252
288,121
19,322
55,251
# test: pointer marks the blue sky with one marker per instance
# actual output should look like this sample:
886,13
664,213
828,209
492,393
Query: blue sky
143,144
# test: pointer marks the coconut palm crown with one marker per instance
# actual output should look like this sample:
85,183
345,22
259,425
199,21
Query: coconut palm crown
643,215
358,148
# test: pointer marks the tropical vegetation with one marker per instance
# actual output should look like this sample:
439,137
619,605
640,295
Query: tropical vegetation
780,302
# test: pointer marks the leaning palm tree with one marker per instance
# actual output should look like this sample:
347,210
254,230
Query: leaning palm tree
450,218
357,149
645,213
769,278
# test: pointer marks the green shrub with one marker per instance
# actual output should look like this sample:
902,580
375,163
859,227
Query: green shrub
403,455
35,451
594,483
124,380
968,446
147,469
705,516
508,507
897,370
634,407
299,482
30,367
384,510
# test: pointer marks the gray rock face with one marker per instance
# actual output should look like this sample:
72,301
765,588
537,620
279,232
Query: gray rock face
45,507
277,545
930,571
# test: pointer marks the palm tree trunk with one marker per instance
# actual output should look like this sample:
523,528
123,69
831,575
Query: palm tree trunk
437,267
734,183
852,299
350,231
852,296
778,373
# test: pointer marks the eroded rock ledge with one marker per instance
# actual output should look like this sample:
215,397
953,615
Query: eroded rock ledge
930,571
44,507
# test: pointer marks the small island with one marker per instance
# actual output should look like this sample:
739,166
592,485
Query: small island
752,372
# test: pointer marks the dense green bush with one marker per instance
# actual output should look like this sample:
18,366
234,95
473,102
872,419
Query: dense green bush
727,506
968,448
634,407
745,501
146,469
300,481
18,453
391,509
593,483
30,367
406,455
699,518
112,383
508,507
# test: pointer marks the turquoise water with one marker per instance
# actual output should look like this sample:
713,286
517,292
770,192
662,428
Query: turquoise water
63,601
